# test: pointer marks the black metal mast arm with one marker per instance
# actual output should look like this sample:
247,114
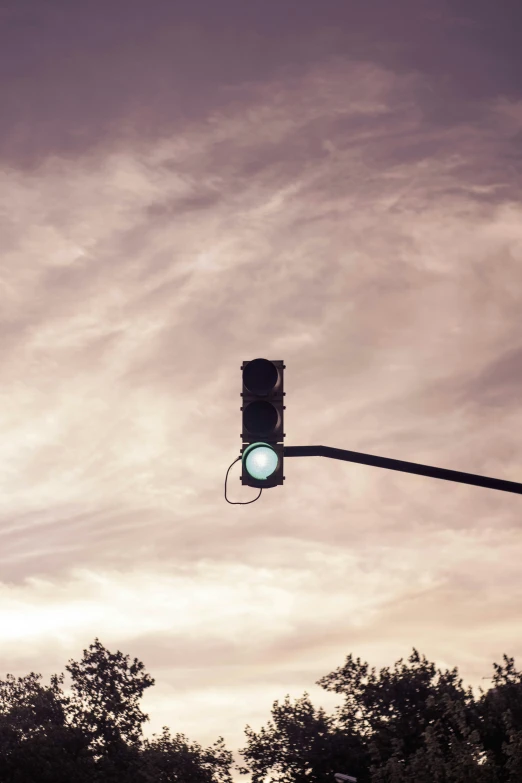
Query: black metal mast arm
405,467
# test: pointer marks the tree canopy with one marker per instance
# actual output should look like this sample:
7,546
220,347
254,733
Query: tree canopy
411,723
95,735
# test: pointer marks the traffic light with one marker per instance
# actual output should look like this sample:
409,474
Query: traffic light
262,434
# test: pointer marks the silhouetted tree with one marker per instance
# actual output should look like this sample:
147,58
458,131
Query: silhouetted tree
95,734
106,691
410,724
36,741
392,709
169,759
451,752
513,750
500,709
301,745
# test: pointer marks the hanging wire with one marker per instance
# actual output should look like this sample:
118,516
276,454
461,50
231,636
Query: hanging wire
235,502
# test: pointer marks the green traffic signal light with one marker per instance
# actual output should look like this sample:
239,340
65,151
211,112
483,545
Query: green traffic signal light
262,432
260,460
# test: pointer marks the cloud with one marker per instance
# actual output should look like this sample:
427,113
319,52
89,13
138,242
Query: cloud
326,220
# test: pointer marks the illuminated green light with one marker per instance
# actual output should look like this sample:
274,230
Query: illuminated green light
260,460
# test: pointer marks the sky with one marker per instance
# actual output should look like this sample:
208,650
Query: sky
191,184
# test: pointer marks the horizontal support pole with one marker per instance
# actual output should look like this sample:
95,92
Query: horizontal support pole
405,467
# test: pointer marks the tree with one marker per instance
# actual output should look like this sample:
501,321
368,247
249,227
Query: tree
95,734
452,752
106,691
410,724
393,709
413,723
36,741
500,709
169,759
302,744
513,750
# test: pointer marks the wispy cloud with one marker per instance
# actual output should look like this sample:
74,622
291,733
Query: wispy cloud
323,219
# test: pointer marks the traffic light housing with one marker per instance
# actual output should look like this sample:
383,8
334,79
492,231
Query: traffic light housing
262,433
